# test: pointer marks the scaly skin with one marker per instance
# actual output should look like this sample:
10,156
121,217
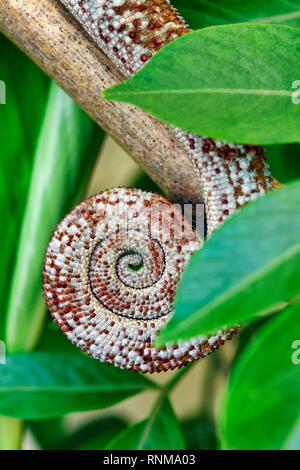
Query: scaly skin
120,327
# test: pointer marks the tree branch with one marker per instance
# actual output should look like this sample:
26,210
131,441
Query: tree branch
46,32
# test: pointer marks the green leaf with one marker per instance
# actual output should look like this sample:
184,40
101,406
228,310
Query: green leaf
47,432
94,435
248,333
43,385
202,13
260,408
284,161
20,124
66,151
250,265
161,431
199,434
52,340
221,82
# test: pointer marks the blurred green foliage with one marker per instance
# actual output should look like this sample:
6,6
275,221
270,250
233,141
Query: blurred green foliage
21,121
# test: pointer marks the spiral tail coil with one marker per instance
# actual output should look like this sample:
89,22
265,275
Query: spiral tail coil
110,276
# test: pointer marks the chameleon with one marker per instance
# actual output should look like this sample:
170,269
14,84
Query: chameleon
108,280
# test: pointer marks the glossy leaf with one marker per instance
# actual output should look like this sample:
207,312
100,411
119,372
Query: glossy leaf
43,385
202,13
250,265
260,409
160,432
68,145
222,81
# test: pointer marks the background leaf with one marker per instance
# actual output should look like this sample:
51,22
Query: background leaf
251,83
199,434
51,434
202,13
267,381
20,124
52,339
42,385
47,432
263,240
95,435
67,148
284,161
160,432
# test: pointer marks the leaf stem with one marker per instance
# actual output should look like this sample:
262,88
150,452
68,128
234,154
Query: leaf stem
155,409
164,392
